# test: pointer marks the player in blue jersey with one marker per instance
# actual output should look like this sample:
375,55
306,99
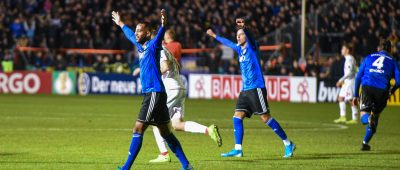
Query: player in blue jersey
252,99
374,77
154,109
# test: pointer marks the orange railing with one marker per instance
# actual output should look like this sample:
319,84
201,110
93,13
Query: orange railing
104,51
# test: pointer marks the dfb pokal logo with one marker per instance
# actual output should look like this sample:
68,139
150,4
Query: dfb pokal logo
84,84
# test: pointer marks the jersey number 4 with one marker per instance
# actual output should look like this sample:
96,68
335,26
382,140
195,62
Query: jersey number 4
378,62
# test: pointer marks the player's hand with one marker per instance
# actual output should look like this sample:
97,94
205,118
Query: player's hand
163,17
211,33
355,101
339,84
136,72
116,18
240,22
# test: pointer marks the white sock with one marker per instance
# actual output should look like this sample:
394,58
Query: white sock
238,147
342,107
354,111
159,140
194,127
286,142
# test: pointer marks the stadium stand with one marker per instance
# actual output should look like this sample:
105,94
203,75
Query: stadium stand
63,24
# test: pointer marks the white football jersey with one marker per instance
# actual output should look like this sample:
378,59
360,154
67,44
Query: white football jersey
349,69
171,78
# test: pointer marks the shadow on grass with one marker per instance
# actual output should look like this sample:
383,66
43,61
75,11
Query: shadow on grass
8,154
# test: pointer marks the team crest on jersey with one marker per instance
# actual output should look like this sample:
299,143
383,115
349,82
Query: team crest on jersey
242,58
141,55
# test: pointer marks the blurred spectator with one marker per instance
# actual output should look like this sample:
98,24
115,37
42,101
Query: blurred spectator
312,67
295,70
57,24
17,29
59,62
98,64
30,27
120,66
107,67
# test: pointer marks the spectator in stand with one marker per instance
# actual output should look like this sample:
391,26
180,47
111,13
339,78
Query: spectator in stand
17,29
312,68
98,64
295,70
59,63
120,66
106,64
326,69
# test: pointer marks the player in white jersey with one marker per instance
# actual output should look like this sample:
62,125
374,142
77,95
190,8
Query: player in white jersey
347,84
176,94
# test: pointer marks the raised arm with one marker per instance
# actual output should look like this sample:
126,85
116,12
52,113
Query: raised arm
249,37
157,40
223,40
127,31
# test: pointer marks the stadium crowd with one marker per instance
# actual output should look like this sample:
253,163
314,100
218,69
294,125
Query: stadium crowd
59,24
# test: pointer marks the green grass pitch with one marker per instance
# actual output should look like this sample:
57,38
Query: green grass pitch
93,132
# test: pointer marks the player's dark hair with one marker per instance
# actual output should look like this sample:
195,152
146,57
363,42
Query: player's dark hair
146,25
349,47
385,45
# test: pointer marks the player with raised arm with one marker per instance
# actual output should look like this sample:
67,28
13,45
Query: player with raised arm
154,110
347,86
176,94
374,77
252,99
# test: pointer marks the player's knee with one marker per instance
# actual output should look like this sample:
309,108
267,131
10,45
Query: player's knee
177,124
139,128
239,115
265,117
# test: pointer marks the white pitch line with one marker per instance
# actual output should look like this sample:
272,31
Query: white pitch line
326,127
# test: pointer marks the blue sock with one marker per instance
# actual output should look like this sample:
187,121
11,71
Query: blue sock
274,125
364,119
368,134
238,130
370,131
134,149
176,147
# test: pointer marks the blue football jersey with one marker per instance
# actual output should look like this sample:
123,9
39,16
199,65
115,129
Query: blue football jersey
250,68
149,60
377,70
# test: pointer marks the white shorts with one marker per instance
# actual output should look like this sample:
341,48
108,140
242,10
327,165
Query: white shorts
175,103
347,90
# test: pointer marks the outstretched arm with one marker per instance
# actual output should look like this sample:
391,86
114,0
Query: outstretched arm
160,34
127,31
223,40
249,37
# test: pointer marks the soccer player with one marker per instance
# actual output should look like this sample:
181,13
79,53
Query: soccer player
347,84
374,76
172,45
154,109
252,98
176,93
